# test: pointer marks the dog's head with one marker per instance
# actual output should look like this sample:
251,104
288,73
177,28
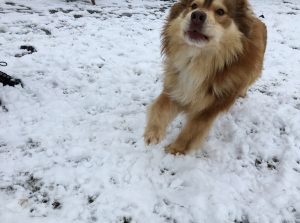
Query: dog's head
208,23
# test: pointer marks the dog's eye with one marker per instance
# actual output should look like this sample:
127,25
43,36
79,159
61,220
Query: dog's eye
220,12
194,6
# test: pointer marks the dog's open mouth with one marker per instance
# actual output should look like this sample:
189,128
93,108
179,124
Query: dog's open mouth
196,35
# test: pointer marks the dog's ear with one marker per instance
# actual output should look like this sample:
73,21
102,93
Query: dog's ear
186,2
242,5
242,16
177,8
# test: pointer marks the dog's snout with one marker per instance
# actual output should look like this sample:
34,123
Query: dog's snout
198,17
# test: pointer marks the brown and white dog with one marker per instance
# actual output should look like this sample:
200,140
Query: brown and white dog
214,50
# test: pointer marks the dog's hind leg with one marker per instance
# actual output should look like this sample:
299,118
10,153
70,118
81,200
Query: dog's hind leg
160,114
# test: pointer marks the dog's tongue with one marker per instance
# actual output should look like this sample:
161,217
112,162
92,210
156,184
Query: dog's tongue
196,35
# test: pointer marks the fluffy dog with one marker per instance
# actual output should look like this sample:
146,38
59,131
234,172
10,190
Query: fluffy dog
213,51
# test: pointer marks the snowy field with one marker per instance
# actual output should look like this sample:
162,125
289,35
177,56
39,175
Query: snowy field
71,146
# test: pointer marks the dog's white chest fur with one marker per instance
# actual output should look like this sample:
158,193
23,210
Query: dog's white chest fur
189,82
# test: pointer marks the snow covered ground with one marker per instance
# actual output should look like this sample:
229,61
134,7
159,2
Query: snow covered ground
71,146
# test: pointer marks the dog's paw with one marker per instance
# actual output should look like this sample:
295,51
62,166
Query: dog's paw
243,93
175,149
153,136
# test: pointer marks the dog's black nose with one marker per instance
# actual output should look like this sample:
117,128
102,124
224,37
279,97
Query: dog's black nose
198,17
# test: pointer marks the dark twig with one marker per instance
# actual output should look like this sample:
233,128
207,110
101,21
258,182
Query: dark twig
5,79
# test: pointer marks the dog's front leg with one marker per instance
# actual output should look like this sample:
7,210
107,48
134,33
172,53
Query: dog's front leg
160,114
197,126
191,135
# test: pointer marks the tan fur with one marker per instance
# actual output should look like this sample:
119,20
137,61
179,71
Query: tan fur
204,79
